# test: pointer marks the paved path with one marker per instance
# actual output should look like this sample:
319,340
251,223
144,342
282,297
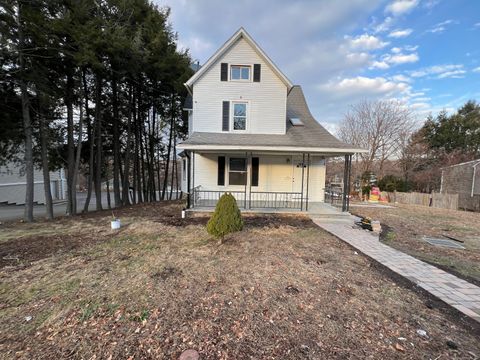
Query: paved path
456,292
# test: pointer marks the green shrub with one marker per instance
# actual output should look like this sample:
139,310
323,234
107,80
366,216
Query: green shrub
226,218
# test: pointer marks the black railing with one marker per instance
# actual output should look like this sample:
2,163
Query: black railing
334,195
209,198
252,200
276,200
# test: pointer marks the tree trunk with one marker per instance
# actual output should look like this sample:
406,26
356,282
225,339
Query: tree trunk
174,160
27,124
98,147
116,144
91,136
109,202
126,173
169,150
45,168
77,158
70,144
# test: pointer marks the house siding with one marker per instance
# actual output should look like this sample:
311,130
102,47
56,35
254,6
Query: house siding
266,99
13,185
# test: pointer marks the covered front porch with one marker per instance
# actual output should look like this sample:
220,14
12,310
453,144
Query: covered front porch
263,182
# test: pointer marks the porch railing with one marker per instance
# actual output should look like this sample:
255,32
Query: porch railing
334,195
276,200
209,198
252,200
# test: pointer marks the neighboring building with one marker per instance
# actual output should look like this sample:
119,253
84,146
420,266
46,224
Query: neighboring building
463,179
13,185
251,133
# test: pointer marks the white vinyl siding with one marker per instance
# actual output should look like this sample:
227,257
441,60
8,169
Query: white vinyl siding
13,185
277,173
267,99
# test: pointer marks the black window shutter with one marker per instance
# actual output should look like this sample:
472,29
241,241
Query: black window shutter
221,171
255,163
256,72
226,115
223,72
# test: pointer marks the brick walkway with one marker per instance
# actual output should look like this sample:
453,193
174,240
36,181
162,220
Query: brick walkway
454,291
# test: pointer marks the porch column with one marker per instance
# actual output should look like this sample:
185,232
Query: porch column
189,174
346,183
308,179
303,178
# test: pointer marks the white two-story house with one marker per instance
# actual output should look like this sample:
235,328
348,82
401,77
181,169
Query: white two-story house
251,134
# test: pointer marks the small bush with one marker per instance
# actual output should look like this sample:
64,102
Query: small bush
226,218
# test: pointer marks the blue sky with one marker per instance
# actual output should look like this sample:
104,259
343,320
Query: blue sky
423,52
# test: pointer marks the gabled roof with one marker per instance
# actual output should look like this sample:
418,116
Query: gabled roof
241,33
311,137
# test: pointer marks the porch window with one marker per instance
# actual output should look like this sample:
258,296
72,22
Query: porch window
239,116
237,172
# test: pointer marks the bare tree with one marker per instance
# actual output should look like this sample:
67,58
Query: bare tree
379,126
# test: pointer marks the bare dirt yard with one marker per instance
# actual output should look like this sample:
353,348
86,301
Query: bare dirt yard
404,226
280,289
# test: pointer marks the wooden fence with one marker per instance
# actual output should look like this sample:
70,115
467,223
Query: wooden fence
437,200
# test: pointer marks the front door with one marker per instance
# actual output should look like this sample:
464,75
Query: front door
297,173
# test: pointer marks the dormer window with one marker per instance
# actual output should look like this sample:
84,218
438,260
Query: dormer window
240,72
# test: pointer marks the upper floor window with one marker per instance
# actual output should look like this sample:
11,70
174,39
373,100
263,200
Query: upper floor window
239,116
240,72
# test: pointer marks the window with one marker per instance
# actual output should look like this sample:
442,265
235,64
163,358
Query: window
237,172
240,72
239,116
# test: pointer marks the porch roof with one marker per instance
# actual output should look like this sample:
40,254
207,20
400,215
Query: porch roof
311,137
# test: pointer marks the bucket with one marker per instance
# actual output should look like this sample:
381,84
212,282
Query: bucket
115,224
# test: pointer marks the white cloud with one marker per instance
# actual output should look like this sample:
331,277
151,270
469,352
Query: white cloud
455,74
366,42
396,50
383,26
364,86
441,71
401,78
379,65
401,58
477,69
399,7
440,27
419,93
420,105
399,33
411,47
477,25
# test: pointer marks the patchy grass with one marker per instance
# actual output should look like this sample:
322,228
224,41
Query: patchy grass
282,288
404,226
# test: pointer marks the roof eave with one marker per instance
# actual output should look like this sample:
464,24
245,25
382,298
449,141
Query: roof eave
310,149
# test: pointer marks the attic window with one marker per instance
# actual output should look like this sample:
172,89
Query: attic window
240,72
296,122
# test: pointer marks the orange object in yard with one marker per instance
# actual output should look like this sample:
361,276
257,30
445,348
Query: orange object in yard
374,194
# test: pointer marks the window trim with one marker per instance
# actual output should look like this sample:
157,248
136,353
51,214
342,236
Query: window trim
246,169
232,115
249,66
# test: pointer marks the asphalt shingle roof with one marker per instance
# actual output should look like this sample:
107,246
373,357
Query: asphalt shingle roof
311,134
